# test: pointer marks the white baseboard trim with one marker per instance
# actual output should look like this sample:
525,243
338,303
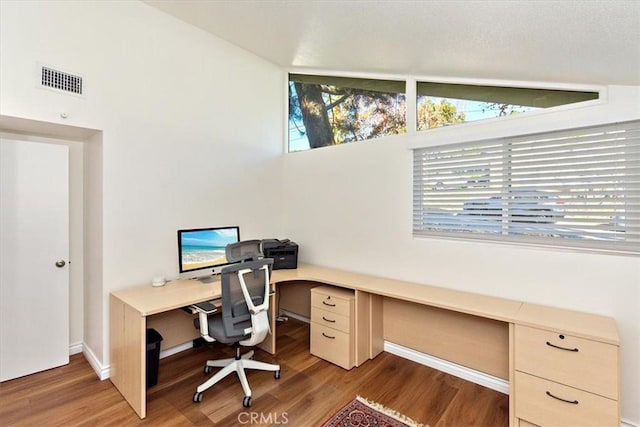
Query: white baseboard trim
177,349
627,423
75,348
101,371
477,377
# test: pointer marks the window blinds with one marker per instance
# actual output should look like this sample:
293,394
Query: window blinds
575,188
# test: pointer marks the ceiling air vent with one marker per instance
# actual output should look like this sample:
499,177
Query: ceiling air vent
60,80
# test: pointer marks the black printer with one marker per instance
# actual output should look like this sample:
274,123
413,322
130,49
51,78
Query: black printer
284,253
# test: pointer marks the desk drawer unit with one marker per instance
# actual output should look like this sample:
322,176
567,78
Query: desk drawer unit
565,380
332,320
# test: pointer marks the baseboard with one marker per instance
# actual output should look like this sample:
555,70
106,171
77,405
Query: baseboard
101,371
75,348
477,377
627,423
177,349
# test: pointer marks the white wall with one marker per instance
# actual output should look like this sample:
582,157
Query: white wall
350,207
189,133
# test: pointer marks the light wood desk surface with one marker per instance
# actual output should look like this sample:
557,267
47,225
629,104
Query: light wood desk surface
150,300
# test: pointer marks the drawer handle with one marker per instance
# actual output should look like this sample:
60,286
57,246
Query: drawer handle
328,320
573,402
327,336
562,348
330,305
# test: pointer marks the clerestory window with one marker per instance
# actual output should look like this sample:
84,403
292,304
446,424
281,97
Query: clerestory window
326,110
444,104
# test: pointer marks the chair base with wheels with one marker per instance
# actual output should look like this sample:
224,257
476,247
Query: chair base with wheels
238,365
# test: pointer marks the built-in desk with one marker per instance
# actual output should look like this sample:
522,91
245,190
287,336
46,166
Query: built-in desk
550,350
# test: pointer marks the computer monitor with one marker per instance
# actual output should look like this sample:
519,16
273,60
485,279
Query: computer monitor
204,248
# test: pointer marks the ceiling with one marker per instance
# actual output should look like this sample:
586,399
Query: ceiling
570,41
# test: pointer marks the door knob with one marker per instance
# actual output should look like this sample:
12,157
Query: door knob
61,263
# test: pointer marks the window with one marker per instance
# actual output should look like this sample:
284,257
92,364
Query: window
444,104
576,188
325,110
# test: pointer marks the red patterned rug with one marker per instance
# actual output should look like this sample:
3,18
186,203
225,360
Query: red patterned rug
361,412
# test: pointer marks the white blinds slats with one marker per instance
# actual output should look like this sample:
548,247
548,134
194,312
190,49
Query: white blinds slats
573,188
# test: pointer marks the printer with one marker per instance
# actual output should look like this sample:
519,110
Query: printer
284,253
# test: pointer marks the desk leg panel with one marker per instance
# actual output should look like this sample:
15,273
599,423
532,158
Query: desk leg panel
128,354
116,340
376,324
369,341
513,421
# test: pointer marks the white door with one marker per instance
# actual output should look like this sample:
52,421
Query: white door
34,236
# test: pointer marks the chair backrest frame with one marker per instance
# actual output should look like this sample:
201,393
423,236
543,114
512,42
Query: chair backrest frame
239,301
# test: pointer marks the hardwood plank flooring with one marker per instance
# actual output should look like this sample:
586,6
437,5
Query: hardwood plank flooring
309,392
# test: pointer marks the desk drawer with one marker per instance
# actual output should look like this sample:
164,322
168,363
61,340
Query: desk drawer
581,363
331,345
332,299
331,320
534,403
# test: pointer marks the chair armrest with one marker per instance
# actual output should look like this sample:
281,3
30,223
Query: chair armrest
204,309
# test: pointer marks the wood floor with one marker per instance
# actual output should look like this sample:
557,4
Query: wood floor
309,391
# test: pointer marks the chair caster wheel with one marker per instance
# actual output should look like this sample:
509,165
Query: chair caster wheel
208,369
197,397
276,374
246,402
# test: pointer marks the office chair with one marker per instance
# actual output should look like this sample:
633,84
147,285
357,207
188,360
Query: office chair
244,320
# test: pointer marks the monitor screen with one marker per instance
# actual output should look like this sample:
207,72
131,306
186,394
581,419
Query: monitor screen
201,248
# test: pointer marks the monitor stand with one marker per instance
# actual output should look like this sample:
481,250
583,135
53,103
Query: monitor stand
207,279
